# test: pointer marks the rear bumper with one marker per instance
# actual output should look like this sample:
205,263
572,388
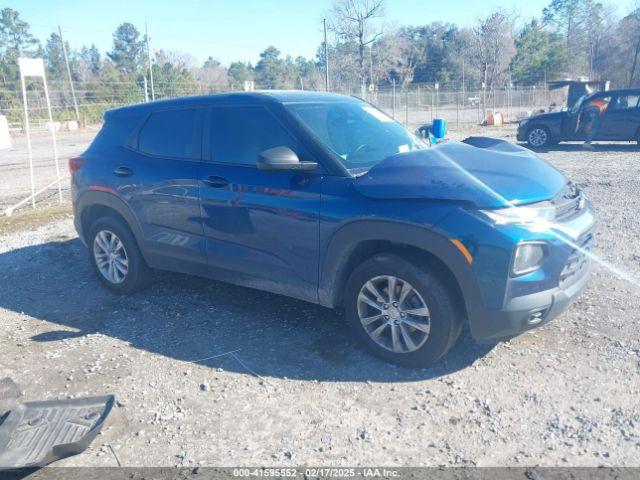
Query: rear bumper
78,224
529,311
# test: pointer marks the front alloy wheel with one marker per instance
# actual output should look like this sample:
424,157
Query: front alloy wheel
538,137
403,311
394,314
110,257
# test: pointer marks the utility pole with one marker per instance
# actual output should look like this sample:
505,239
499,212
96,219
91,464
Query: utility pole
146,89
146,30
66,60
326,57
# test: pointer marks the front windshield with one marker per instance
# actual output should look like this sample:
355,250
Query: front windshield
358,133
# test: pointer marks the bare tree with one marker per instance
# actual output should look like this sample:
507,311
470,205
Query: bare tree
178,60
398,56
212,74
631,26
355,21
494,47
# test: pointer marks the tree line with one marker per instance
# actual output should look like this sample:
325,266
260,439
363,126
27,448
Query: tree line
569,38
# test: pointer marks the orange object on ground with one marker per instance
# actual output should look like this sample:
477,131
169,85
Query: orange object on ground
495,119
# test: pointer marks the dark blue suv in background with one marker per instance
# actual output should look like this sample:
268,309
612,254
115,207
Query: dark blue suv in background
325,198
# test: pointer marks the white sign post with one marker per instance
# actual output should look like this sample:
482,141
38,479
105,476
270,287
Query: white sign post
5,139
34,67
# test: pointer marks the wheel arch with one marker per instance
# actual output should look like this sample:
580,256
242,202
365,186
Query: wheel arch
361,239
95,204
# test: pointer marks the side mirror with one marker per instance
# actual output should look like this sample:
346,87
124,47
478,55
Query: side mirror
282,159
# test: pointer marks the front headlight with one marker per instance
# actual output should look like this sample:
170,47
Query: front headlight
537,213
528,257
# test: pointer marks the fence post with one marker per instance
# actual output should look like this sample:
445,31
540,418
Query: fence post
406,107
519,100
432,106
533,98
393,98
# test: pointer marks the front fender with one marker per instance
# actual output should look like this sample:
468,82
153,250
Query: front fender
343,243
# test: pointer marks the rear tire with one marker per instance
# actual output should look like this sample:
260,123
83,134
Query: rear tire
115,256
539,137
430,335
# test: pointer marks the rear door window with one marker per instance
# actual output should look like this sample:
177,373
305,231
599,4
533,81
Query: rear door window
239,134
171,133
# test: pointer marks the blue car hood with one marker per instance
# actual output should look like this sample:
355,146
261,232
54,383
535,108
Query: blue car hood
486,172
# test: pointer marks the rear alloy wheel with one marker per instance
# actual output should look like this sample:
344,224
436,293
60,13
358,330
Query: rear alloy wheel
538,137
115,256
405,314
110,256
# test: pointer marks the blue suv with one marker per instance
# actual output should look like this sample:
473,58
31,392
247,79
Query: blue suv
325,198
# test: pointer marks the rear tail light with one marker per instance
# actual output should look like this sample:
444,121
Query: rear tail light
75,164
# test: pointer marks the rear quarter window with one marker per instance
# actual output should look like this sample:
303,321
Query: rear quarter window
171,133
116,132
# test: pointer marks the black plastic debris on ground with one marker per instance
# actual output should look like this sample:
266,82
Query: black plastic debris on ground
34,434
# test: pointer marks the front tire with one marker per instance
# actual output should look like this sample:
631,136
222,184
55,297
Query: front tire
539,137
115,256
404,314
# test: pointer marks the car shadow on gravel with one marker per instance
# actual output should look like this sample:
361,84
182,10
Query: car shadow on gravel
198,320
577,147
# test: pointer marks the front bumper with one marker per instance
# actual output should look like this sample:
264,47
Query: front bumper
521,134
525,308
529,311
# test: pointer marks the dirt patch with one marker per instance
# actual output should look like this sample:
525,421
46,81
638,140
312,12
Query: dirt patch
27,218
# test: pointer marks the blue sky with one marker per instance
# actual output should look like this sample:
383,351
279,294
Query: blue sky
234,29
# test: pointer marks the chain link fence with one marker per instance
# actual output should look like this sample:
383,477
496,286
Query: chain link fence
413,106
419,104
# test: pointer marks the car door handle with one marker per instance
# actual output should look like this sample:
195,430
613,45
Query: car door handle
123,172
216,182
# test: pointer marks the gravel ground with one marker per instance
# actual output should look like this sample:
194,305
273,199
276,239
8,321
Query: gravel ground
211,374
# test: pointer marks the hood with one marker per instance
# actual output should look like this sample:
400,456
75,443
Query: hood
481,171
546,116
